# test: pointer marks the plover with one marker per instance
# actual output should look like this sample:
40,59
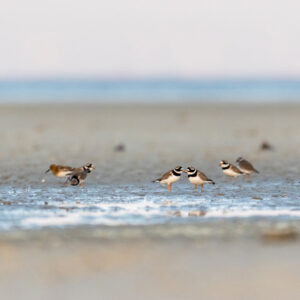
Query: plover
230,170
79,176
197,178
60,171
170,177
87,167
246,167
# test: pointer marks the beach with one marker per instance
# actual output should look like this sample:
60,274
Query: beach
124,237
151,263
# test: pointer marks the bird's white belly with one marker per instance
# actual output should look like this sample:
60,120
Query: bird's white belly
229,172
245,171
170,180
62,174
196,180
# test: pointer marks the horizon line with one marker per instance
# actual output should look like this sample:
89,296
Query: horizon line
150,78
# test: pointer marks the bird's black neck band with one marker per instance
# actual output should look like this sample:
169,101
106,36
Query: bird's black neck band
175,173
193,175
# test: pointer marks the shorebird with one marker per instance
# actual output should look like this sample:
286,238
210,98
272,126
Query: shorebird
170,177
230,170
246,167
60,171
79,175
197,178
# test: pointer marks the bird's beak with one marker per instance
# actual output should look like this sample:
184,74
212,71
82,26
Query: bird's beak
220,164
47,171
186,171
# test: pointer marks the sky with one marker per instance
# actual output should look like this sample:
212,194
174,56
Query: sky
149,38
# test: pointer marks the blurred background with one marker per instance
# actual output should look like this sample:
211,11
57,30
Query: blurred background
213,80
133,50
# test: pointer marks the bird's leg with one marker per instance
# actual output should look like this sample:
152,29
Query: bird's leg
168,187
234,179
171,187
66,182
195,186
201,188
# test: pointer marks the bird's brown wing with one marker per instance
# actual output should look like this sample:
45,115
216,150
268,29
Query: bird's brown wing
166,175
246,165
76,170
65,168
203,176
236,170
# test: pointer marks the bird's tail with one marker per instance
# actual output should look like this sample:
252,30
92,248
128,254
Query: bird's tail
156,180
255,171
210,181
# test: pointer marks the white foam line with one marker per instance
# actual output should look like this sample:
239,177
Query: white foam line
98,217
131,205
76,219
252,213
56,221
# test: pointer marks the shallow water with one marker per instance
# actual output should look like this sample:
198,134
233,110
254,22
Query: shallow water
53,205
167,90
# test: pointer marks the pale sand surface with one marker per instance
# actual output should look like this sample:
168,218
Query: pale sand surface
167,262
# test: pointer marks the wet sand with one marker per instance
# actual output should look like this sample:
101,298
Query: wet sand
225,259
